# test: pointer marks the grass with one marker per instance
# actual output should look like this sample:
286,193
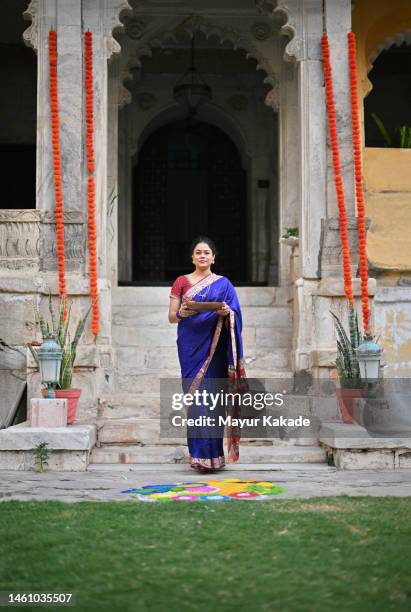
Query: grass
337,553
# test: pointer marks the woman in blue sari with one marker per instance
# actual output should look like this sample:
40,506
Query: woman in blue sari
209,350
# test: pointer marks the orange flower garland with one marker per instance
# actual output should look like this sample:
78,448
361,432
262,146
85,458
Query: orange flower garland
58,190
339,186
91,192
356,138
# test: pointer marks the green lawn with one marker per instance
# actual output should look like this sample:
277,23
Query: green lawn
335,554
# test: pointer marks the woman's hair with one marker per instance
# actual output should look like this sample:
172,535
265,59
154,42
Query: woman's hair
206,240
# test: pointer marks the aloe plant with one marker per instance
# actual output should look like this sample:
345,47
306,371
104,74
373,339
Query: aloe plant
59,328
346,362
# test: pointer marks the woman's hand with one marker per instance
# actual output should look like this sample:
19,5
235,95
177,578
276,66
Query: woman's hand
224,311
184,311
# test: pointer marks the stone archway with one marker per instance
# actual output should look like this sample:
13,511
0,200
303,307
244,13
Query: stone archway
188,181
250,123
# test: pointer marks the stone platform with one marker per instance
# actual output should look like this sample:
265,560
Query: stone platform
105,483
70,446
352,447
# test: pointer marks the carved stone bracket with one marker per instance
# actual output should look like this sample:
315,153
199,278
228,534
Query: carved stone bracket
30,36
295,26
114,9
331,251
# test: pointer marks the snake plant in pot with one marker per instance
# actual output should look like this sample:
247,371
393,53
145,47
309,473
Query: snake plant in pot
347,365
59,328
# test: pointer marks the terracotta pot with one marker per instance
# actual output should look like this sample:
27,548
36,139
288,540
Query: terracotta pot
72,397
345,398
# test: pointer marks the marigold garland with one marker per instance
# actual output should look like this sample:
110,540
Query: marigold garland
356,138
339,185
58,190
91,192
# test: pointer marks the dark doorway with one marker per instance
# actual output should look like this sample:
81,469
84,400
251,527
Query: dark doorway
390,99
189,181
18,110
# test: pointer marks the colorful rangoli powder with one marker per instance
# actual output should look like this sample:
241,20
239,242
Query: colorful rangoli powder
212,490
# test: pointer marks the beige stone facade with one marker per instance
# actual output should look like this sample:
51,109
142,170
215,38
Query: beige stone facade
289,330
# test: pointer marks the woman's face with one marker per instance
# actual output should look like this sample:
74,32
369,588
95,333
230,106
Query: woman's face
203,256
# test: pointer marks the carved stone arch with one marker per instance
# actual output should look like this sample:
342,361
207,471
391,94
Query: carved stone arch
114,11
389,41
211,113
195,23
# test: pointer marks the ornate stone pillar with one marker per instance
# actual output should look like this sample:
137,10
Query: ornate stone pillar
320,286
71,19
66,18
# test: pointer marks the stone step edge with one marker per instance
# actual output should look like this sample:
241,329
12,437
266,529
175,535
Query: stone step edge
178,454
182,467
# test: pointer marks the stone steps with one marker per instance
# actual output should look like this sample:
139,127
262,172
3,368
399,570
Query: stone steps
134,454
145,351
137,430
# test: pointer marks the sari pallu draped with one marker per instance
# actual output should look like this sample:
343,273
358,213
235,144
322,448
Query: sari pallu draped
210,351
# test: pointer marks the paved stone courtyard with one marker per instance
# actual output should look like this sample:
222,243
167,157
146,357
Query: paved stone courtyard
99,484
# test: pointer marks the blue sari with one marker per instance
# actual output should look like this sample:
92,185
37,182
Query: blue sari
210,349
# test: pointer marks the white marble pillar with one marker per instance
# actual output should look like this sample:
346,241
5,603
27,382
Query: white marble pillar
304,27
65,17
100,19
338,24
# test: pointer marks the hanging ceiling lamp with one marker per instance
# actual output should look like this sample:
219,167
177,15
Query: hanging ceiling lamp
191,90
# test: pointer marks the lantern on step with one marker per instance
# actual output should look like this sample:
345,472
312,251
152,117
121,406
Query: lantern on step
49,356
369,357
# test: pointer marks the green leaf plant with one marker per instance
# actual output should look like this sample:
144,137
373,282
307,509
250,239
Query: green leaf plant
404,131
59,327
41,456
346,362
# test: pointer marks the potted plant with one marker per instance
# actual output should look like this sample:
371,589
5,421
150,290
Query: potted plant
59,328
291,236
347,365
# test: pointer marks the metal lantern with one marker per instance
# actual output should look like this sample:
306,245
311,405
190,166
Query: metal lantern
369,357
191,90
49,356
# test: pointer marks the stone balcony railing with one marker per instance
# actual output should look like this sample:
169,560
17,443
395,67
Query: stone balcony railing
28,240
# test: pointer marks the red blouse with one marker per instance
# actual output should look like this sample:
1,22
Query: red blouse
180,286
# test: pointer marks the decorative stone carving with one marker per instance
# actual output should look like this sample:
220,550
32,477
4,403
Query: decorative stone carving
30,36
273,99
292,11
74,246
20,239
28,239
331,251
238,102
113,24
194,23
264,7
69,216
261,31
135,28
146,101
